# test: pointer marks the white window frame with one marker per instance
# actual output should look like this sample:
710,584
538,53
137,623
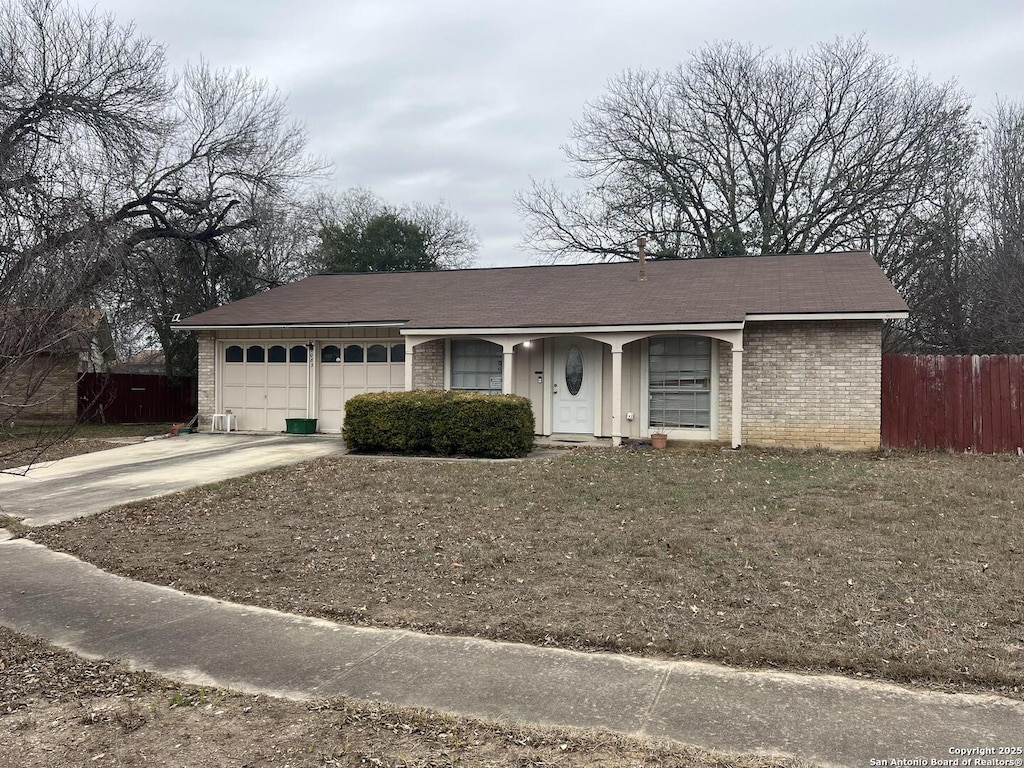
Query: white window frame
449,362
677,433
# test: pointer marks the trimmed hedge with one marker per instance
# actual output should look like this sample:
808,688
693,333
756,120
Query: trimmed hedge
439,423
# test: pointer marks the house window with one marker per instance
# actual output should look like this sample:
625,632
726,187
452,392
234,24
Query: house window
680,382
298,354
377,353
234,354
354,353
476,365
398,353
330,354
254,354
277,354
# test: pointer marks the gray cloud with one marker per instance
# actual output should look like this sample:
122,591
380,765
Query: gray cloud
466,100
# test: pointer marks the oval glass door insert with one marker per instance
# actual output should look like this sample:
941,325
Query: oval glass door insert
574,370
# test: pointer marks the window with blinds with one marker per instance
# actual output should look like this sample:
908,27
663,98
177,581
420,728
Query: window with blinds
680,382
476,365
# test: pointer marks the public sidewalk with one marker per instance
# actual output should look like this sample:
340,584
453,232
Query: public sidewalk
826,719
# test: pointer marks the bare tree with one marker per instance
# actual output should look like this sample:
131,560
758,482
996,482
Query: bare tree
998,313
79,95
117,180
742,152
207,224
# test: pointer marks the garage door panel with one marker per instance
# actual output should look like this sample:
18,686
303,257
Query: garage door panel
277,376
234,397
378,377
255,397
276,419
353,391
234,375
355,376
330,421
277,397
338,383
330,376
263,394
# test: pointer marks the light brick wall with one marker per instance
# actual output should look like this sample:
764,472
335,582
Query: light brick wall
724,391
428,365
207,377
40,390
808,384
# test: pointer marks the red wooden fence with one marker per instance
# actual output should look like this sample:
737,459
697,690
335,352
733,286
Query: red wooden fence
963,402
133,398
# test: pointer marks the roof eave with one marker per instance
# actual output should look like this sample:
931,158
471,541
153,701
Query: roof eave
731,325
272,326
811,316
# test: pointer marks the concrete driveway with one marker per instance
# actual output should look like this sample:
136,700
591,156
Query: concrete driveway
55,491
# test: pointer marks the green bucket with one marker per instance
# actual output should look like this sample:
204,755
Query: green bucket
300,426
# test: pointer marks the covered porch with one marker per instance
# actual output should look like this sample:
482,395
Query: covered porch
613,382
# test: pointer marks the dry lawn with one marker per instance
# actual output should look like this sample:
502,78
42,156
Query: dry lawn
30,445
906,567
58,710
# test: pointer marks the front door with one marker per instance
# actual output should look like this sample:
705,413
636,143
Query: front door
572,392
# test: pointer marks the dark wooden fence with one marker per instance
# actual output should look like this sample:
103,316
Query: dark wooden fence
963,402
132,398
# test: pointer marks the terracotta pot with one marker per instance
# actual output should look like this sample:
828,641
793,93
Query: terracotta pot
659,439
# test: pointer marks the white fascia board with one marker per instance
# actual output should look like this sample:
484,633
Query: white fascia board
290,326
572,329
829,316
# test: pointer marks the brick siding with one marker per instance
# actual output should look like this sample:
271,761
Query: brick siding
808,384
724,391
207,377
428,365
40,389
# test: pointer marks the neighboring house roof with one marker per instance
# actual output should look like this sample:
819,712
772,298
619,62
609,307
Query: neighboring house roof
144,361
723,290
81,331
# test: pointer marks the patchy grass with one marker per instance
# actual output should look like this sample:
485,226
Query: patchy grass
58,710
907,567
29,445
13,525
106,431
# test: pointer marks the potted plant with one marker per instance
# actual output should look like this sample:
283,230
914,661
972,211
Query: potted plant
659,439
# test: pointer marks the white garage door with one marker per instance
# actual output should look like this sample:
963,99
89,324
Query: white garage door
349,368
264,384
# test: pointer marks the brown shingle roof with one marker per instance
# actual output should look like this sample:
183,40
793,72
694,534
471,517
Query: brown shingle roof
689,291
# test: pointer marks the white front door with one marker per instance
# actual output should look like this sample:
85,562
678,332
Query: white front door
574,371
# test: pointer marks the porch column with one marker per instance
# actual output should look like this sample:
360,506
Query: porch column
507,349
409,349
616,393
737,395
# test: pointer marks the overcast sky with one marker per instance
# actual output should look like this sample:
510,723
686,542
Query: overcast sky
465,100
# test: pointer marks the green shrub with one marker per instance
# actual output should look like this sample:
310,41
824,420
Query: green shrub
439,423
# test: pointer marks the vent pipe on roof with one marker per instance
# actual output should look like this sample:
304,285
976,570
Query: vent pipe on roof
641,245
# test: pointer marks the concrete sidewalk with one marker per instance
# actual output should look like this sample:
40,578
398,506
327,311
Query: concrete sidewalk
826,719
